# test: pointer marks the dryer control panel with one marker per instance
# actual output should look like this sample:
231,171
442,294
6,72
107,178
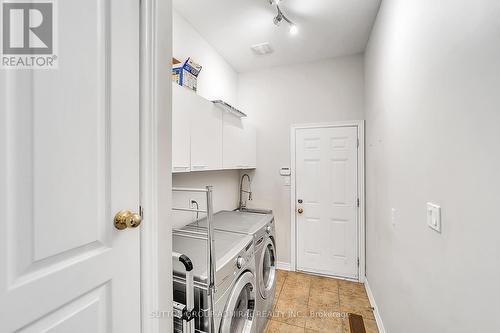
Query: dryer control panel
245,256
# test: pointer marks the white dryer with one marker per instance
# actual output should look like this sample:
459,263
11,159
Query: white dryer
262,228
236,288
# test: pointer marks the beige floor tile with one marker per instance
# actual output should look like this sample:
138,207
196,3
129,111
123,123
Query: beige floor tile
324,283
349,288
295,289
298,294
318,304
345,325
348,299
275,302
324,297
281,273
371,326
280,281
290,311
324,319
280,277
296,277
357,305
279,327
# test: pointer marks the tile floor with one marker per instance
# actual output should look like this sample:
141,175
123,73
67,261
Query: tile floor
307,303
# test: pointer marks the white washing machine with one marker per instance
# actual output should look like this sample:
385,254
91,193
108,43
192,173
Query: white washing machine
236,289
262,228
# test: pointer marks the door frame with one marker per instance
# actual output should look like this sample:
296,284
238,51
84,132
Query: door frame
360,125
156,165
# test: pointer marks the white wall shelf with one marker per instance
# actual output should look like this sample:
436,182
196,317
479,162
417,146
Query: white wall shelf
229,108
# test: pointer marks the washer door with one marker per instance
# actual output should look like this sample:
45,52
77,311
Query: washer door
267,268
238,315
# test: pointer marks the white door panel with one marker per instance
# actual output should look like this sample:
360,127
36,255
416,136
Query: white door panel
233,139
206,136
326,182
182,105
240,143
69,160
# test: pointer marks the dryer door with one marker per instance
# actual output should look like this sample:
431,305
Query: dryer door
267,268
239,312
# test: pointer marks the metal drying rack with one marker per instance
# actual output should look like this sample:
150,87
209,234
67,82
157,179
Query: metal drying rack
209,237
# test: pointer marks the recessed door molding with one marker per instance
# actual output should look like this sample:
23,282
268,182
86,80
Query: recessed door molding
156,165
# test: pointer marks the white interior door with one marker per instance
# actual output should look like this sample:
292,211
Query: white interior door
69,160
327,195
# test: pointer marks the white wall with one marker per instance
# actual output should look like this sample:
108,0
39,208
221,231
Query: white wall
225,195
325,91
433,113
217,80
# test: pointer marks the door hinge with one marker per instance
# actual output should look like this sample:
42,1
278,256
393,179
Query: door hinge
357,202
357,142
358,262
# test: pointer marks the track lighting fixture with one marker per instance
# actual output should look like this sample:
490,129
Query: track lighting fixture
282,17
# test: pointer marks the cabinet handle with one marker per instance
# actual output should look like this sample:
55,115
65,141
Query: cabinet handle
183,168
200,167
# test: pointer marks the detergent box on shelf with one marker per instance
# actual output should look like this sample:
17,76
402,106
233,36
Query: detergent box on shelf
185,73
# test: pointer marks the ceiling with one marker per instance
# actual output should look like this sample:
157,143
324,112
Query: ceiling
327,28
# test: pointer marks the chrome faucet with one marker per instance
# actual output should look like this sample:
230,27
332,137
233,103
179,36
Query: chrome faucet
249,192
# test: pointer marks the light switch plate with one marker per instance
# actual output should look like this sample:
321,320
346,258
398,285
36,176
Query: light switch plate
434,216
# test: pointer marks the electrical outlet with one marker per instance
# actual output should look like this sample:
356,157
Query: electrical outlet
394,216
434,216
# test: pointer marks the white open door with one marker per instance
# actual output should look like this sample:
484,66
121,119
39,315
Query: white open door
327,200
69,161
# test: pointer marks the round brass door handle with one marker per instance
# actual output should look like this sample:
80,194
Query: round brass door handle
126,219
300,210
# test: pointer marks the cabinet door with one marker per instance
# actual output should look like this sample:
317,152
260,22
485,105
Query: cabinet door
182,104
206,136
239,143
250,145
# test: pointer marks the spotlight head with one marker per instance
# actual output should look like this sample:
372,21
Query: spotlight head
274,2
293,29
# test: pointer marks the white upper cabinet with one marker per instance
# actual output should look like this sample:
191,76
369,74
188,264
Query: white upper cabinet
206,136
239,143
182,103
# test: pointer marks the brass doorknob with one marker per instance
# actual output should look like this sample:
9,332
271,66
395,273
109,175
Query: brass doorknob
126,219
300,210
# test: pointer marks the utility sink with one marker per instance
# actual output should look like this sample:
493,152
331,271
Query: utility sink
254,210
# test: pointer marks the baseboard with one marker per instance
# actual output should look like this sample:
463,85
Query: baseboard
376,313
283,266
